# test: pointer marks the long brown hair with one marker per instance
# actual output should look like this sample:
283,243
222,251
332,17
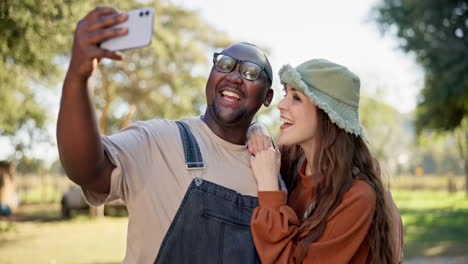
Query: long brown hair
337,155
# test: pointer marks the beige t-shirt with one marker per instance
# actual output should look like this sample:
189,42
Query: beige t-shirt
152,180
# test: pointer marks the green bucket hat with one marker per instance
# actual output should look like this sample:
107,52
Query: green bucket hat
332,87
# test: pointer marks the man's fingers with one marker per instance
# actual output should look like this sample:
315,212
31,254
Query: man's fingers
103,53
262,143
98,12
256,146
106,21
103,34
111,55
249,147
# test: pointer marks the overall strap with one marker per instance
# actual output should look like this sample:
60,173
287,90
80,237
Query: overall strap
193,157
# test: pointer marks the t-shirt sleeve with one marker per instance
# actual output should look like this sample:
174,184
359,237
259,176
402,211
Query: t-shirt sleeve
129,150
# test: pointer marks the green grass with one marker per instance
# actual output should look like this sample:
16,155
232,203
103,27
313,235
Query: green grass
48,239
435,222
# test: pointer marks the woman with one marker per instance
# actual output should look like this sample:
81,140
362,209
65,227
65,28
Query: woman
337,209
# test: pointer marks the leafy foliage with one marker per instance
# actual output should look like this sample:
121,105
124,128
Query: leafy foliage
30,165
33,33
387,131
436,32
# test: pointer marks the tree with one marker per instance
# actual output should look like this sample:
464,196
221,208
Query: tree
436,32
30,165
57,168
443,151
33,33
461,135
386,131
165,79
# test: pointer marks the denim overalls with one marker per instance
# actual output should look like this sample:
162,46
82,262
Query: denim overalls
212,224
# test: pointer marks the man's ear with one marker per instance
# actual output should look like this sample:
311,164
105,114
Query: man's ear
268,97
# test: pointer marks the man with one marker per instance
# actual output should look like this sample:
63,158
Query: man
187,185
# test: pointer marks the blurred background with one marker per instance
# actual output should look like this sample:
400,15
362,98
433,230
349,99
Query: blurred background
411,56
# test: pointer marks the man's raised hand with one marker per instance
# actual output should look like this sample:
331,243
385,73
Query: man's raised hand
93,29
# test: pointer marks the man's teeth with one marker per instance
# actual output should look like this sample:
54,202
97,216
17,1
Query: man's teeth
286,121
231,94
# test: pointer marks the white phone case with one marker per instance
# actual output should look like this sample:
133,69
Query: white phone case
140,31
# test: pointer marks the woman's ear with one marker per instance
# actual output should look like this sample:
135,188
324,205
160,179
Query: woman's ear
268,97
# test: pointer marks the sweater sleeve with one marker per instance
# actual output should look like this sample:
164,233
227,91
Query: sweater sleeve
274,226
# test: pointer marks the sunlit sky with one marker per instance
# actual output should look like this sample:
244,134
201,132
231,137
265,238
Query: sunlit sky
341,31
295,31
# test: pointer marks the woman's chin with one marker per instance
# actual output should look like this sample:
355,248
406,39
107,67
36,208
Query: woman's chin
283,140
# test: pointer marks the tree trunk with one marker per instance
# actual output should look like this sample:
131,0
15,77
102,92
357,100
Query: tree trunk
451,186
466,177
128,117
461,136
43,189
464,128
105,109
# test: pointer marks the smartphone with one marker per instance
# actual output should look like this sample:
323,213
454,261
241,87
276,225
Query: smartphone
140,31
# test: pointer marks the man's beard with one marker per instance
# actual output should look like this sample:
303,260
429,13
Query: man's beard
230,119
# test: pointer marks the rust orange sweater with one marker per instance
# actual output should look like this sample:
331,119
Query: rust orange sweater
275,223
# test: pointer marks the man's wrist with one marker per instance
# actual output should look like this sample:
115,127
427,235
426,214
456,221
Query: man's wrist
74,76
76,80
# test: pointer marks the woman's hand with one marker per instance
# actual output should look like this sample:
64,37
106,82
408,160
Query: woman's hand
265,167
258,138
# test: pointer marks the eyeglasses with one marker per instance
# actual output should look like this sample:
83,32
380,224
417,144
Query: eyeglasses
248,70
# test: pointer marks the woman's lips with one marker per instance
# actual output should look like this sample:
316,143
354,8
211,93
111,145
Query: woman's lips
285,125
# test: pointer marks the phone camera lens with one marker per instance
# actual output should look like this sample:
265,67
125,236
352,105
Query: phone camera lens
147,12
141,13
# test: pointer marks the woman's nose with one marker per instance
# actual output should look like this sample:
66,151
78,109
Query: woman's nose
283,104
